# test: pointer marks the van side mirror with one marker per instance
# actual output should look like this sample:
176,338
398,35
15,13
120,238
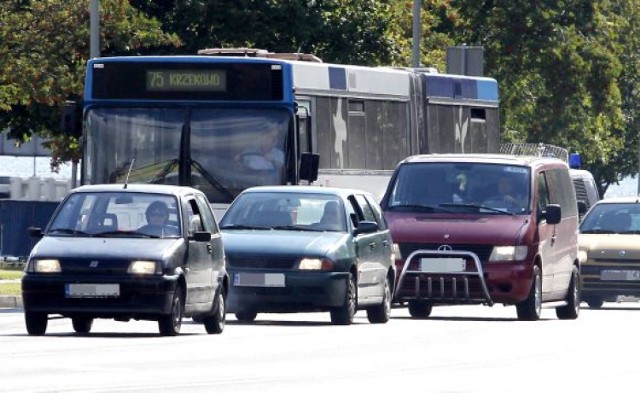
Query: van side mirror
366,227
552,213
309,166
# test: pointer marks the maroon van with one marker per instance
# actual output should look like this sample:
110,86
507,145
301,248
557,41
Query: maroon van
484,229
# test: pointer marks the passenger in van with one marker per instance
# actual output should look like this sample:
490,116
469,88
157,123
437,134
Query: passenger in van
157,215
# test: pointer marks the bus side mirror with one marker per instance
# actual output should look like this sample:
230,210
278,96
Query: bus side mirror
70,122
309,166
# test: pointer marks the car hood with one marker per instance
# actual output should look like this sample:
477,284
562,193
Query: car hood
112,247
459,228
279,242
610,246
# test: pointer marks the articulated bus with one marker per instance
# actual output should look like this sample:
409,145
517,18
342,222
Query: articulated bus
224,123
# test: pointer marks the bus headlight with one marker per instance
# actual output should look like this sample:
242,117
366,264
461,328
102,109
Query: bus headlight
508,253
143,267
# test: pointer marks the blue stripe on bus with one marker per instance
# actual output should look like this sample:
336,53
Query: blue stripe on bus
337,78
460,87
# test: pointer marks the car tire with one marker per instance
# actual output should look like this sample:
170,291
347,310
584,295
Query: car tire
595,303
36,323
531,308
420,309
246,316
382,312
343,315
169,324
572,309
214,324
82,325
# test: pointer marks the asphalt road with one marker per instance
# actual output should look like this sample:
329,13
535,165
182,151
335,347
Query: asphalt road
458,349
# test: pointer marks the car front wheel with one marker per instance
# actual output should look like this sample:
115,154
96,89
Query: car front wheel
169,324
214,324
382,312
343,315
36,322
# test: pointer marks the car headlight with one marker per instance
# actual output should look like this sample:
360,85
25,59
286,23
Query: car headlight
315,264
583,256
143,267
508,253
44,266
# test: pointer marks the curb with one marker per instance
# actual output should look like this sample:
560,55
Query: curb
9,301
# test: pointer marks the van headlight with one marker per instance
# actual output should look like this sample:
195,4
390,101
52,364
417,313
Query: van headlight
44,266
508,253
144,267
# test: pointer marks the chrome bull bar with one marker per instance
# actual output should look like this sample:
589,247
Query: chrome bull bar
440,294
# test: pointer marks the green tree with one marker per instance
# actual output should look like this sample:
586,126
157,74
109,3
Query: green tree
342,31
561,67
44,46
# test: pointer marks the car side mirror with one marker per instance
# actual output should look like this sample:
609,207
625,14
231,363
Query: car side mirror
201,236
552,213
35,232
366,227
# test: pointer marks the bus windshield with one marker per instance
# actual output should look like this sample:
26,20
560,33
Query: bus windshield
219,151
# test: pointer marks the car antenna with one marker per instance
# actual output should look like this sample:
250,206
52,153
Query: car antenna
128,173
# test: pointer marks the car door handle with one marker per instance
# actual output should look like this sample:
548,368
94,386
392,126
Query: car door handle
372,245
385,243
209,248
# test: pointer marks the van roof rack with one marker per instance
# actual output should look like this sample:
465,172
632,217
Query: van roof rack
534,149
255,52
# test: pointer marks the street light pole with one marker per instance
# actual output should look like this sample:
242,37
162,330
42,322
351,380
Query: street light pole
94,11
416,33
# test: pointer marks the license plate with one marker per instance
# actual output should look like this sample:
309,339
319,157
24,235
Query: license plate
620,275
442,265
92,290
258,280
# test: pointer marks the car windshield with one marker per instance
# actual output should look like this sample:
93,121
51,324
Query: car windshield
612,218
288,211
458,188
117,214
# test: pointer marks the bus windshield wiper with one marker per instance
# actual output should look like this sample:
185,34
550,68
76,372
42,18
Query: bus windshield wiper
216,184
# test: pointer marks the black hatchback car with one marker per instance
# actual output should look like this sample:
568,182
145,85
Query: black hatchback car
142,252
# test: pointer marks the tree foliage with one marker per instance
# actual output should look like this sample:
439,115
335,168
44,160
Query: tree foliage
562,69
44,46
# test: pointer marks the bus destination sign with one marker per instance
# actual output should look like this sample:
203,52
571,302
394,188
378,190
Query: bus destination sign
186,80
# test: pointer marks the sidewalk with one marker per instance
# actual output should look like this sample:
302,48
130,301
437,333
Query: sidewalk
10,301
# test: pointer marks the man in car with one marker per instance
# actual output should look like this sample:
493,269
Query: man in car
157,215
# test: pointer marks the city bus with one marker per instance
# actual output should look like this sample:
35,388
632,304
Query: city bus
223,121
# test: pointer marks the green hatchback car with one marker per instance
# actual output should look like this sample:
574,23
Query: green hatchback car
304,248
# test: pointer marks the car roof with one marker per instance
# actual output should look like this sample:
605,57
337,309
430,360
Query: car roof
614,200
139,188
342,192
502,159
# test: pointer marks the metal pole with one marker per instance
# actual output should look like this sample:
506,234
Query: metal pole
416,33
94,11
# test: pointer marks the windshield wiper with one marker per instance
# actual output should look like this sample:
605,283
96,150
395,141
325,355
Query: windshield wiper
289,227
215,183
239,226
429,208
69,231
478,206
598,231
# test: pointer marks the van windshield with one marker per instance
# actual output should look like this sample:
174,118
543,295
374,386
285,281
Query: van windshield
461,188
